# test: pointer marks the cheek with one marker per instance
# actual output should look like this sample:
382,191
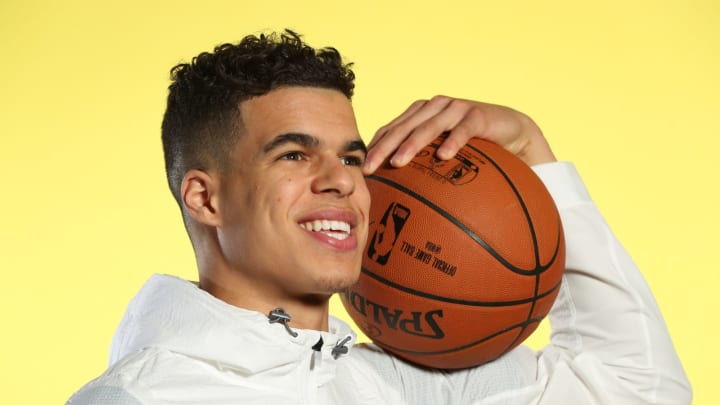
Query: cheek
283,192
363,197
364,201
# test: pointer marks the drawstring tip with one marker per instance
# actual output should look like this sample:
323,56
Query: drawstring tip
340,347
278,315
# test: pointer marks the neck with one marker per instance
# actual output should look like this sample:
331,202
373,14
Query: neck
243,290
306,312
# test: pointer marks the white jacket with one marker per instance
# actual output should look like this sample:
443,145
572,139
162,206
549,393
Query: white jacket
179,345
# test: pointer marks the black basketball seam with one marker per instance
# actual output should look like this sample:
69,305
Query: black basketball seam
468,231
427,295
533,234
520,200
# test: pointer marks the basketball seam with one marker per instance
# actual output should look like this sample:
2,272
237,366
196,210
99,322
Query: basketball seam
522,325
459,301
520,200
531,225
515,269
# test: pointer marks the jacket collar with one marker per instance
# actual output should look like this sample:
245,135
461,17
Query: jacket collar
174,314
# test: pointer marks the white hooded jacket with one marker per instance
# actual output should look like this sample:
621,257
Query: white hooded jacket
179,345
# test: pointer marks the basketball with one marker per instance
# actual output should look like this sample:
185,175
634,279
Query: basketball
464,257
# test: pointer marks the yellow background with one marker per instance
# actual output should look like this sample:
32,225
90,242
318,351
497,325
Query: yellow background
627,90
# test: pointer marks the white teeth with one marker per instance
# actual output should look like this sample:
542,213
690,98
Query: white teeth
338,236
336,229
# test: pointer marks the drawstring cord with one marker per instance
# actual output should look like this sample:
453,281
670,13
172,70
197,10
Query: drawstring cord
340,347
278,315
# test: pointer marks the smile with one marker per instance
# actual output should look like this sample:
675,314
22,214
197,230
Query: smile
335,229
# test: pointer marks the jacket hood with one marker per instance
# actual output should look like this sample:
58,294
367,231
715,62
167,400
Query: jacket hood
175,314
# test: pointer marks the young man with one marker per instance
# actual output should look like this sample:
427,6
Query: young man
265,161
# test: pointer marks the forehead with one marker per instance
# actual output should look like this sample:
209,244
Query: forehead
322,113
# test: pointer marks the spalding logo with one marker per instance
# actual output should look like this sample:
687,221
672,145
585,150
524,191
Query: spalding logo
416,323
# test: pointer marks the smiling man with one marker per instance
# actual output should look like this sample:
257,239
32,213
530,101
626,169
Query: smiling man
285,224
264,159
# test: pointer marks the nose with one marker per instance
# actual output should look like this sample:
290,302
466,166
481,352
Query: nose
332,176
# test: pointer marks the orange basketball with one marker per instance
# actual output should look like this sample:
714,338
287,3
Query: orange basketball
464,257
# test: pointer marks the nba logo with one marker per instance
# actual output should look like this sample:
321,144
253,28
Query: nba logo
386,233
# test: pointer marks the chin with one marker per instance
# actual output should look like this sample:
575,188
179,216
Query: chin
340,282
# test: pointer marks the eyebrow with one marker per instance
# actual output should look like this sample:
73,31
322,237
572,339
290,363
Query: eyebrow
356,145
296,138
309,141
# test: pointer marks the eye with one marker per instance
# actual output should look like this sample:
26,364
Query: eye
352,160
295,155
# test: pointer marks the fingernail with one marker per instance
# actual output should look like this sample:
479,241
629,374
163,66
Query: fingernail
444,152
398,160
367,167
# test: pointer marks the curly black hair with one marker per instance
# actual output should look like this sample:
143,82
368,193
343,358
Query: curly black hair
202,120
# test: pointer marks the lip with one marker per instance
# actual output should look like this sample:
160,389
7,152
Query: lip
348,244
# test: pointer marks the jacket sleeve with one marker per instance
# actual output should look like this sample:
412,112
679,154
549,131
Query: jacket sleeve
103,395
609,343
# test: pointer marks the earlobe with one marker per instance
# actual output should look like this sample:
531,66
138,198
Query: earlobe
199,196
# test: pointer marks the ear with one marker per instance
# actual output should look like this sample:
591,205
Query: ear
199,192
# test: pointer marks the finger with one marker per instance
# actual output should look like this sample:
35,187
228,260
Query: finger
441,121
406,123
389,137
380,133
422,123
380,147
474,123
456,139
401,127
379,152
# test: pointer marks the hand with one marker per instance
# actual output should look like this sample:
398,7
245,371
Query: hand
425,120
